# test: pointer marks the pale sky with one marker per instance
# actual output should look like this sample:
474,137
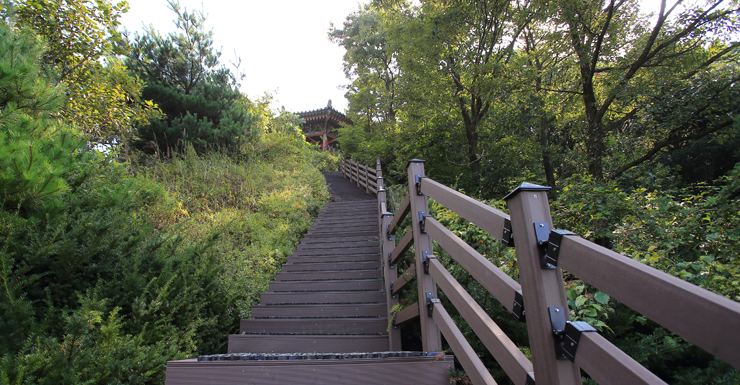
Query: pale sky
282,43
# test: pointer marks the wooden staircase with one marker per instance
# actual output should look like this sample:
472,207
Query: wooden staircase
326,304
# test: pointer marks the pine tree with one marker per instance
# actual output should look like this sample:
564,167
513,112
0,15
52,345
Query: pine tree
35,150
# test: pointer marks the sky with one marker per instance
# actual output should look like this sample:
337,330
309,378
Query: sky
282,44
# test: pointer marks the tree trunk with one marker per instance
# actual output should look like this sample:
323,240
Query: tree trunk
545,144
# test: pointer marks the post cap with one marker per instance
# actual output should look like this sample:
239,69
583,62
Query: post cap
414,161
526,186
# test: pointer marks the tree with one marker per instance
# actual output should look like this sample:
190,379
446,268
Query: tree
35,149
626,69
103,99
372,64
200,98
459,54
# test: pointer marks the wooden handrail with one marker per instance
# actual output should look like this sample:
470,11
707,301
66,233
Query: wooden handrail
400,215
406,278
407,314
507,354
402,247
696,314
491,277
463,351
608,365
480,214
706,319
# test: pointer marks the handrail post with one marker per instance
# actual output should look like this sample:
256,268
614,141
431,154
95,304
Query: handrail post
390,273
341,165
357,167
431,339
367,179
541,287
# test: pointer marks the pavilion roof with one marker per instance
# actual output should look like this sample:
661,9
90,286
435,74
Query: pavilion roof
315,116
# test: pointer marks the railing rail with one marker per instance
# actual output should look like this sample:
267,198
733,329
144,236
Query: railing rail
559,348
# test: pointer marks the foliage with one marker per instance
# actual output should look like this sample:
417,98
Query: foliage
108,270
35,150
490,93
102,97
200,99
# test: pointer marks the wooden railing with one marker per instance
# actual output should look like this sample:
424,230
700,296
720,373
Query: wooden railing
559,348
364,176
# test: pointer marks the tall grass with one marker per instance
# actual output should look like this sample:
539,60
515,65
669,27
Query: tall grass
259,203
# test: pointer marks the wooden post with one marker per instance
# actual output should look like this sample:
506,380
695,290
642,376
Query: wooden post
390,273
341,165
367,179
357,167
541,288
431,339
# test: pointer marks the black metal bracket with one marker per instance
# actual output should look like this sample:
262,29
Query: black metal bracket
388,232
508,237
425,259
423,221
553,245
542,232
390,260
430,303
518,309
390,287
567,334
573,332
417,178
558,322
530,379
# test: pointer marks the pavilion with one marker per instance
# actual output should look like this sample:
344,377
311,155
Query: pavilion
321,126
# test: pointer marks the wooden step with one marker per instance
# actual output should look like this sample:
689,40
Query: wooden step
331,239
304,286
327,311
255,343
359,228
371,265
329,275
411,371
298,259
347,326
346,220
337,252
333,297
342,233
334,245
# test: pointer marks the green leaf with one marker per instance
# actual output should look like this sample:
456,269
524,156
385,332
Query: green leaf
580,300
601,298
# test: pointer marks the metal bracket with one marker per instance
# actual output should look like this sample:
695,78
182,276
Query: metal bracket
573,332
417,178
542,232
558,322
423,221
388,232
567,334
430,303
425,259
390,260
530,379
508,237
553,245
518,309
391,289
